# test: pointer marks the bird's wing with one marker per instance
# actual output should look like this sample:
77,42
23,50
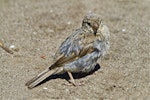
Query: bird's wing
73,43
72,49
65,59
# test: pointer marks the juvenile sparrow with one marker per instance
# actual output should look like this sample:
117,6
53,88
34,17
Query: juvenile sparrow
79,52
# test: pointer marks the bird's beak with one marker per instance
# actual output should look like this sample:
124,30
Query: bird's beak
95,27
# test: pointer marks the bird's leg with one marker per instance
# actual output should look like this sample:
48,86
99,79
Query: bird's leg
71,78
72,81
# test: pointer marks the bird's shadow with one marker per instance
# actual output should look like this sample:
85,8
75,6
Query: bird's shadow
75,75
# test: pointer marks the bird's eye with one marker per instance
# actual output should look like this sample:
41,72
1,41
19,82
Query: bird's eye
89,24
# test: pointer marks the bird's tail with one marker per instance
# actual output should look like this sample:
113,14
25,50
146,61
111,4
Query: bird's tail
39,78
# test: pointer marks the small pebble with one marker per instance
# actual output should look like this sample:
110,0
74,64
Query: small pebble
51,11
38,49
69,23
14,48
134,86
45,88
34,33
123,30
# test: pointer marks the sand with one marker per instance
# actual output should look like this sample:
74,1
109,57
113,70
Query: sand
37,27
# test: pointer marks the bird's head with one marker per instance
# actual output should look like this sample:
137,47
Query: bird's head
91,23
103,32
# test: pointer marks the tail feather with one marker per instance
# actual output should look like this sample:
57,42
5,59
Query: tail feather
39,78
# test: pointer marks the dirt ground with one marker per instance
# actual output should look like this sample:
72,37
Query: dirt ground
37,27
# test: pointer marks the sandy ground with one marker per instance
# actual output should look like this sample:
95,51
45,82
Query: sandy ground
37,27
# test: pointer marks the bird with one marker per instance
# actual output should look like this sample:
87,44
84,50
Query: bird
80,51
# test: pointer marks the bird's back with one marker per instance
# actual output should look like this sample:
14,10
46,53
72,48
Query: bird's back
73,43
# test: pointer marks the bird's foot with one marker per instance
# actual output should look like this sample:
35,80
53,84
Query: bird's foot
70,83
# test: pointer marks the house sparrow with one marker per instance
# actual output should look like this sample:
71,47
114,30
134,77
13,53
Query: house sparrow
79,52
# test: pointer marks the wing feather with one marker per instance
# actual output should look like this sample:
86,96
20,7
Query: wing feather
73,48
